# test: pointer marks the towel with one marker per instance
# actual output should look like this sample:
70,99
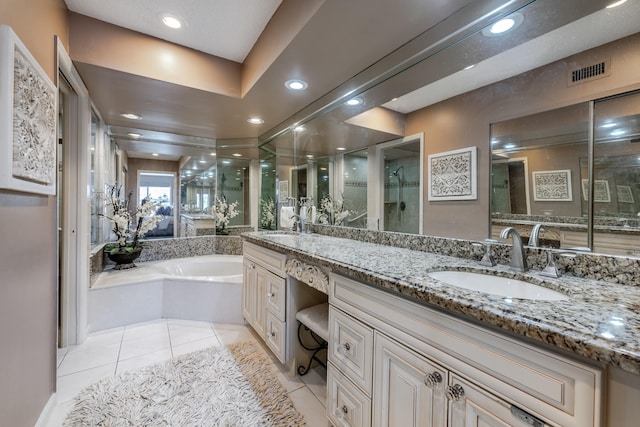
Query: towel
286,212
304,214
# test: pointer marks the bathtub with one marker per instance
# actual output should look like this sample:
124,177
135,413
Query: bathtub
206,288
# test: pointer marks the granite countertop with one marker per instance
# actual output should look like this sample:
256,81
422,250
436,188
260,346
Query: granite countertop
600,320
614,229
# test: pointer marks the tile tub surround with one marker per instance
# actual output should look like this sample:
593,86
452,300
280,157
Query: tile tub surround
161,249
600,321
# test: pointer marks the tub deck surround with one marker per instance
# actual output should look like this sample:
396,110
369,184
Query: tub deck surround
600,321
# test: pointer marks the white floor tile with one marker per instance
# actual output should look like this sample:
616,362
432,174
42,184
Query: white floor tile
233,336
70,385
146,329
310,407
316,381
59,413
183,334
179,350
82,358
144,344
225,328
61,353
143,361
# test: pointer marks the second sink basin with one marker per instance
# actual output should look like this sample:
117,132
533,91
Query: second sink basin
497,285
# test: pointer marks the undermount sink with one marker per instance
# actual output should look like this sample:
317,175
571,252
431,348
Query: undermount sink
497,285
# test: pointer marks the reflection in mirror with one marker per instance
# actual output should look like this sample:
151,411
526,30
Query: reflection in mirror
616,175
267,205
355,188
536,175
233,187
402,195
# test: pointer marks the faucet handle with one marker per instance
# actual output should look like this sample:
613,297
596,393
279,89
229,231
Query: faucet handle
551,270
487,259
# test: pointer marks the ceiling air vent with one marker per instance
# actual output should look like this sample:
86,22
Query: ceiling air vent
590,72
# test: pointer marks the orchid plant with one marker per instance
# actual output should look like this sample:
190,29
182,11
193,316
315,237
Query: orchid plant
267,214
223,212
333,210
128,225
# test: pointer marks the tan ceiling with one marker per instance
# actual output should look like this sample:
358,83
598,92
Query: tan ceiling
186,92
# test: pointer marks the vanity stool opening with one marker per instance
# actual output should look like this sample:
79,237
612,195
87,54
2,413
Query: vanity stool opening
315,320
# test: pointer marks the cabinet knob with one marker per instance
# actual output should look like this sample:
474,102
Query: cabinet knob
455,392
251,266
269,295
341,412
272,334
433,379
344,348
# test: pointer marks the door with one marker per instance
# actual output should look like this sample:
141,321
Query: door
408,388
249,284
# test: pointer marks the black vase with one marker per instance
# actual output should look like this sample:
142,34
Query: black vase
124,260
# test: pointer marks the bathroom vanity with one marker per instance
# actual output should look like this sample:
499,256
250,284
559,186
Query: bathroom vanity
408,349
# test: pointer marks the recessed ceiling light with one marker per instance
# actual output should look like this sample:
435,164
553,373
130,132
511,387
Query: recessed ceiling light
616,4
155,154
171,21
341,148
131,116
296,84
202,161
226,162
354,101
608,125
298,129
213,154
618,132
510,146
309,156
468,67
264,165
255,121
502,26
237,155
134,135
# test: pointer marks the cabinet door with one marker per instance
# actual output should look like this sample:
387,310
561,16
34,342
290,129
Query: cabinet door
471,406
259,311
408,388
249,284
347,405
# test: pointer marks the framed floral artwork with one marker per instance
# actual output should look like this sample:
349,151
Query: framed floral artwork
552,186
453,175
601,193
28,99
625,195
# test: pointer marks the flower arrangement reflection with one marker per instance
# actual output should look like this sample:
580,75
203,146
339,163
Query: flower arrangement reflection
128,225
332,211
267,214
223,212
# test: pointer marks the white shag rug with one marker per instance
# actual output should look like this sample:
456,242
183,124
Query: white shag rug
220,386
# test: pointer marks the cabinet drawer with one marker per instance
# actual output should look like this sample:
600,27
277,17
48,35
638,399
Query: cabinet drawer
275,336
271,260
351,348
275,295
347,405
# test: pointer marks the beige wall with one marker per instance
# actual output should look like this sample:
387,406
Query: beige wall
464,121
28,284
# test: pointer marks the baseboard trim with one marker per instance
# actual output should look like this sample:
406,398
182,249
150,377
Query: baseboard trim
43,419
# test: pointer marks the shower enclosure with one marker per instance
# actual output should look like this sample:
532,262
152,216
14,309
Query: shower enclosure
402,195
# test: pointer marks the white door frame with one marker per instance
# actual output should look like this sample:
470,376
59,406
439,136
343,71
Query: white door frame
76,207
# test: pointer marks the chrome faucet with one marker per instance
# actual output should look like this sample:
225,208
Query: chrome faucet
534,239
518,258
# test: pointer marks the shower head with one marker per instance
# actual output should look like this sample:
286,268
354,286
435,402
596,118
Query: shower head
395,172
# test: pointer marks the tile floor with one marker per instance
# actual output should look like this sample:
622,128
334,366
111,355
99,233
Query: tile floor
110,352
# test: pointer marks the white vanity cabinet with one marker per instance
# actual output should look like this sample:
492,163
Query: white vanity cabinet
264,296
433,369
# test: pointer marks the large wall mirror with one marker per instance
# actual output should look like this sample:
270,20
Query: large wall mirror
461,86
543,173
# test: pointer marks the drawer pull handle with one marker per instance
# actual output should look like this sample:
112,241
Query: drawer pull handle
455,392
433,379
345,410
344,348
